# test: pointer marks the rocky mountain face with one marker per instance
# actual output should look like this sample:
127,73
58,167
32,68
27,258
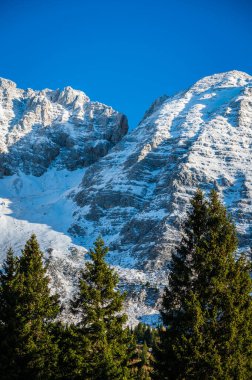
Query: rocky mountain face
39,129
76,162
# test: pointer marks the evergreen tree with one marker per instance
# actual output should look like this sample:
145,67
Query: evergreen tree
37,310
31,313
207,307
145,333
8,318
143,369
72,352
144,354
108,345
139,332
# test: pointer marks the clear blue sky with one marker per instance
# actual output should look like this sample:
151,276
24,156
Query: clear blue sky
123,53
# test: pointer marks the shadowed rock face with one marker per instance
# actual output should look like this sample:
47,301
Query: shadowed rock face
60,128
133,188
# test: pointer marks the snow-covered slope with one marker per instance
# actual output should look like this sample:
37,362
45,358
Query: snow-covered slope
136,195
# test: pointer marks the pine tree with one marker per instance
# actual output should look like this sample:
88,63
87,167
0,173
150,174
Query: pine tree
144,354
31,313
145,333
207,307
108,343
72,352
8,318
143,369
37,310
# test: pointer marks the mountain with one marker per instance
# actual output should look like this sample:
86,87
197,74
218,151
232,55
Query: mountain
64,129
135,189
47,139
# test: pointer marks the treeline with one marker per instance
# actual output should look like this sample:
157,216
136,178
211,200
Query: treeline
206,313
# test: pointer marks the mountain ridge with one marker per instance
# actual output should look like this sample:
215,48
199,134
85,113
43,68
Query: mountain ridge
136,189
65,120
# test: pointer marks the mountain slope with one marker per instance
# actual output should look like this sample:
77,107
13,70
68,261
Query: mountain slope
137,193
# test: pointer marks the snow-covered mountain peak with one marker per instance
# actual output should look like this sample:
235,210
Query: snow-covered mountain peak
70,97
63,128
71,172
232,78
6,83
137,195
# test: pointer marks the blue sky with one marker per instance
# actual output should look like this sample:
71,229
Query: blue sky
123,53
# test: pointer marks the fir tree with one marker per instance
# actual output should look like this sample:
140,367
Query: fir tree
108,345
31,313
145,333
72,352
143,369
37,310
207,307
8,317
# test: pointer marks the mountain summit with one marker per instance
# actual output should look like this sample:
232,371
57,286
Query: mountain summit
70,171
58,128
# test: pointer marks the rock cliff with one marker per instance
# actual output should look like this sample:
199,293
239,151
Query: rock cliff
74,161
39,129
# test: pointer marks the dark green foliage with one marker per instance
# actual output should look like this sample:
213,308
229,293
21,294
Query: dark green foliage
144,333
108,345
139,332
37,353
8,317
145,337
72,352
144,355
31,314
207,308
142,364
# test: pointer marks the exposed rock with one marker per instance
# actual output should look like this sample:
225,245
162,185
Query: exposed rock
139,192
132,188
46,128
